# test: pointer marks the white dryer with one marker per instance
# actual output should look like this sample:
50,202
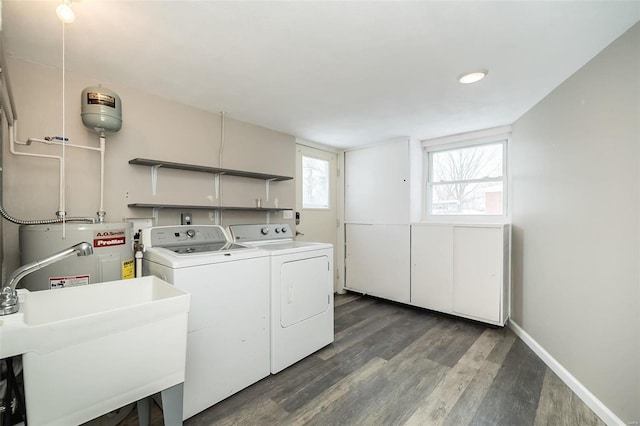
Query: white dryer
301,276
228,345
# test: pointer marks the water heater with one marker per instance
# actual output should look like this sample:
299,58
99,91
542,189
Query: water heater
112,257
101,110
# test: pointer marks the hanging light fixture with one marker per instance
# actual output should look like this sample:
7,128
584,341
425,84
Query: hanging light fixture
64,12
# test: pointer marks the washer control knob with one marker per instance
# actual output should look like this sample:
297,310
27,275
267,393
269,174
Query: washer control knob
277,230
264,230
191,233
284,229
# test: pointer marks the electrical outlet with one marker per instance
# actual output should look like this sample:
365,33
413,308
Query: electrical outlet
185,218
287,214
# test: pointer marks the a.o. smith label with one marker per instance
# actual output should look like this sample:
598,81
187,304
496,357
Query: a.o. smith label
101,99
109,238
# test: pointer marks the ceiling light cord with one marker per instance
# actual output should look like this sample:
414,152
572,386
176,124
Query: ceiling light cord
63,210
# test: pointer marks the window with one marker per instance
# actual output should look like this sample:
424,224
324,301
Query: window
315,183
466,180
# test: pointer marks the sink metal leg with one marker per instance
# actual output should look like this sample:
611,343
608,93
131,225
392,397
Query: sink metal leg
12,389
172,405
144,411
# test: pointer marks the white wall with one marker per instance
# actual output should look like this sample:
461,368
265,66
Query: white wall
153,128
576,212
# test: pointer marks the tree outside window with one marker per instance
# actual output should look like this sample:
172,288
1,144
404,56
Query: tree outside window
467,181
315,183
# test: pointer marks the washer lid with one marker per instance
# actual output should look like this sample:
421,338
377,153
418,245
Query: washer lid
171,259
206,248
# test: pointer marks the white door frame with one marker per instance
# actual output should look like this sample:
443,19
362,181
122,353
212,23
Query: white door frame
340,237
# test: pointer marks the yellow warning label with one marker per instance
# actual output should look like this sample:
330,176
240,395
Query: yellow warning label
128,269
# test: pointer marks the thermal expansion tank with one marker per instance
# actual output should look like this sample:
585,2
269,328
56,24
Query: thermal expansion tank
101,110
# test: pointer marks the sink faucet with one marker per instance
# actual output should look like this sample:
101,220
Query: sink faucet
9,295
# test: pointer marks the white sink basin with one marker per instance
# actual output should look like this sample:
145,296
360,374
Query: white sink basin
89,350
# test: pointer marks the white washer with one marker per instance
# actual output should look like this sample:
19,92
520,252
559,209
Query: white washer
301,291
228,331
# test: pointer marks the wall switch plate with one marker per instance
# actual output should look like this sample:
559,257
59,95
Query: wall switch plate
287,214
140,222
185,218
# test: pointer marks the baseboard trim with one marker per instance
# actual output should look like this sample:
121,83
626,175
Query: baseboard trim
601,410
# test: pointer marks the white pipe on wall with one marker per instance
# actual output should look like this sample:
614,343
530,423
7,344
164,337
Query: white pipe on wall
13,140
101,149
101,212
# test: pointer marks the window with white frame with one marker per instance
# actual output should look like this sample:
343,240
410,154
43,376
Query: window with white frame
315,183
466,179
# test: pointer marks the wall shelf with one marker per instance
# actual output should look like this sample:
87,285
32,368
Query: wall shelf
201,207
217,172
207,169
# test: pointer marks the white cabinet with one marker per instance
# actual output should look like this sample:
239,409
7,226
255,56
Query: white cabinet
477,272
453,268
432,267
377,184
461,270
377,230
377,260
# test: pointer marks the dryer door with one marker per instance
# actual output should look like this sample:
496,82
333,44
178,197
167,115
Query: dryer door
305,287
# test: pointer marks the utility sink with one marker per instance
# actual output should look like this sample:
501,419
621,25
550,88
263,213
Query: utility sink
91,349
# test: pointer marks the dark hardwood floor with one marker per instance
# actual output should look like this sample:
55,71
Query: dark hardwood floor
392,364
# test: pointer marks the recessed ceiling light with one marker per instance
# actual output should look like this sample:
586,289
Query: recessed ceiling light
472,77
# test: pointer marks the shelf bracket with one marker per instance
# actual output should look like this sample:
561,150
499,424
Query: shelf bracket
266,189
154,179
216,185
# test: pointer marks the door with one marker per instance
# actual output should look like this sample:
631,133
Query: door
316,199
477,271
432,267
377,184
378,260
303,289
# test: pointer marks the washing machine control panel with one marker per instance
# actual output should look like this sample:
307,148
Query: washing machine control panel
260,232
163,236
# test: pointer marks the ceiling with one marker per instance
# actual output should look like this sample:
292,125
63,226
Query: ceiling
342,74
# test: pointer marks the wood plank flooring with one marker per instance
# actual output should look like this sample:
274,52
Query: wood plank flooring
392,364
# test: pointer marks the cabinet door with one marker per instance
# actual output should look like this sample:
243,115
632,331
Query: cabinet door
477,272
432,267
377,260
377,184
